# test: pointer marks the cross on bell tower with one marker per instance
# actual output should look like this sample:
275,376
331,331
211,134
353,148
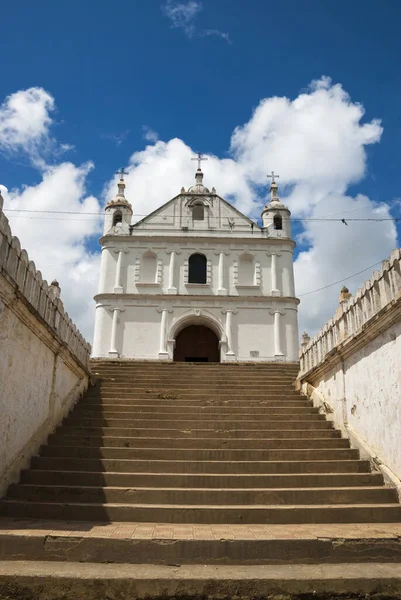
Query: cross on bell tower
273,175
121,183
273,187
122,172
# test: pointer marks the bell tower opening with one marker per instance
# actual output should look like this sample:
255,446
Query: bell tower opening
196,343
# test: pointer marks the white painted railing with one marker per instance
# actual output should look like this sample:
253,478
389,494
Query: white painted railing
43,298
354,313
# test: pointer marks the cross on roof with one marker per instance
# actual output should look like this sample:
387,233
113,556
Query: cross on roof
122,172
273,175
199,158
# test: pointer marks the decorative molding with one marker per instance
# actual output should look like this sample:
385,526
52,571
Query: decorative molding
258,274
137,269
161,308
208,271
235,272
159,271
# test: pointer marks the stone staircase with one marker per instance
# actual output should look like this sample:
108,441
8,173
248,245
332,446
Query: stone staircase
198,454
183,443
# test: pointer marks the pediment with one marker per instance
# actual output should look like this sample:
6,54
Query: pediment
180,214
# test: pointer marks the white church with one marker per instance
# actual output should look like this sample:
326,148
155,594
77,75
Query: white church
196,280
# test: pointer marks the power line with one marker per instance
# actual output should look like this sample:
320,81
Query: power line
220,218
340,280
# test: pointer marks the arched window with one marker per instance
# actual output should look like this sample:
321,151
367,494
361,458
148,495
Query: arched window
148,268
278,222
117,217
197,268
198,212
246,270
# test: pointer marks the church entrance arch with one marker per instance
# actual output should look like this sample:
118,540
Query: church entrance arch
196,343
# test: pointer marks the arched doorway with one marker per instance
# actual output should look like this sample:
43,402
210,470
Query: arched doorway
196,343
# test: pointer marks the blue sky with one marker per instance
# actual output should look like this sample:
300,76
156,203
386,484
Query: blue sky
196,71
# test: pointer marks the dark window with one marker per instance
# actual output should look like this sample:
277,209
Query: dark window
117,217
278,222
197,268
198,212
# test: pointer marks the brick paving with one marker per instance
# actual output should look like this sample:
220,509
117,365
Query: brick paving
154,531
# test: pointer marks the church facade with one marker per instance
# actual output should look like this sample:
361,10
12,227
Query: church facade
196,280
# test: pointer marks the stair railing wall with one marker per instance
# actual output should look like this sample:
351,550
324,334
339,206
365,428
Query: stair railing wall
354,364
43,357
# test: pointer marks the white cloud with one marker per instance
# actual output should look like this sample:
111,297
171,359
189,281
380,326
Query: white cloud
183,16
25,121
316,139
149,134
58,243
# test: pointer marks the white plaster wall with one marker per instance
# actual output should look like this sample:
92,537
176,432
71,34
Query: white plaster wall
372,392
38,387
26,370
254,333
140,327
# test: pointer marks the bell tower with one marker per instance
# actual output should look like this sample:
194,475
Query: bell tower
276,216
118,212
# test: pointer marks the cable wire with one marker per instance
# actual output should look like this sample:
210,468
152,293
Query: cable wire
340,280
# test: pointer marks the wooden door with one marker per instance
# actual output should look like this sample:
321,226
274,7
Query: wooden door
197,343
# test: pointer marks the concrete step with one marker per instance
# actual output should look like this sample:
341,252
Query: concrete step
136,401
293,480
91,581
201,397
61,439
156,513
153,366
200,433
254,424
58,463
213,383
198,454
185,389
206,399
164,543
245,417
202,497
190,383
198,371
111,409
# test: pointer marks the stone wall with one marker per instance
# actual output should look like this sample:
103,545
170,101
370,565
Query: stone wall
352,367
43,358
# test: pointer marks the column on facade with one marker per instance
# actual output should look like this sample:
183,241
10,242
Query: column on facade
118,288
114,326
163,349
221,289
171,288
274,289
98,348
277,333
229,332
